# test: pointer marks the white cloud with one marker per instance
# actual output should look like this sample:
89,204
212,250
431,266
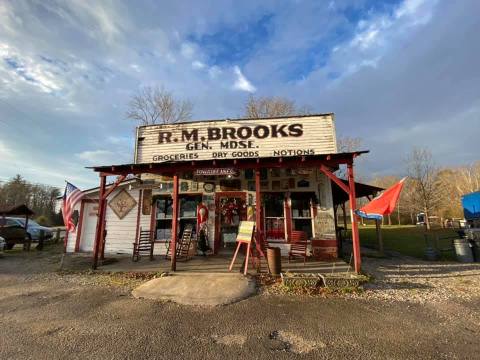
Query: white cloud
136,67
27,69
198,65
97,156
119,140
4,151
187,50
214,71
241,82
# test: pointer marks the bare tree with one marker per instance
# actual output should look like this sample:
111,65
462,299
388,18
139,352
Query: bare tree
348,144
154,105
467,178
260,107
424,175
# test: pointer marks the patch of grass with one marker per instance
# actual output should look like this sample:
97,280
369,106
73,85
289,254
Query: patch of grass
407,239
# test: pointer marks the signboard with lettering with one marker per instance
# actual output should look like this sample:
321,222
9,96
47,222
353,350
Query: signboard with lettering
239,138
216,172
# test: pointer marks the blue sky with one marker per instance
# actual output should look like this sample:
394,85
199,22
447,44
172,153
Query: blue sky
397,74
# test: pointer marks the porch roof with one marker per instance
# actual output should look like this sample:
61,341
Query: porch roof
361,190
16,210
169,167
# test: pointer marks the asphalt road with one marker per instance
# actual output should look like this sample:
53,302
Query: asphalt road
48,316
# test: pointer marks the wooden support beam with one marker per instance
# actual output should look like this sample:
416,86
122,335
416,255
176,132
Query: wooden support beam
79,226
114,186
353,205
100,221
334,178
173,244
288,217
378,230
258,209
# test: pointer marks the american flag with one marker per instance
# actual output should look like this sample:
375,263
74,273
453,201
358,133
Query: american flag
71,196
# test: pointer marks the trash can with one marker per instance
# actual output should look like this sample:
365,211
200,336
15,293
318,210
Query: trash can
463,250
274,258
476,249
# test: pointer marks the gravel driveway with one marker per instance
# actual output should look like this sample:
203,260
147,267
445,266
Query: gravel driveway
51,315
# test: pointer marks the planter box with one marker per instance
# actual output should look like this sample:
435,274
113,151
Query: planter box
301,279
334,281
342,280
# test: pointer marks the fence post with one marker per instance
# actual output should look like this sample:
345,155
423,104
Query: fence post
57,236
41,238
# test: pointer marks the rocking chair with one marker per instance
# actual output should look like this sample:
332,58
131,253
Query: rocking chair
144,245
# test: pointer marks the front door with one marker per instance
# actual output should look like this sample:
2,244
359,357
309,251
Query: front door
230,209
89,225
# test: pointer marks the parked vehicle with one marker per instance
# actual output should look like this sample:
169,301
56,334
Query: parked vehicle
34,229
14,233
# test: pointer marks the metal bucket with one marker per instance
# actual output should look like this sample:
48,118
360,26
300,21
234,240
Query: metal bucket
463,250
274,259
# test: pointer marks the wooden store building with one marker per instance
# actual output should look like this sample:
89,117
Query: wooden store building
205,177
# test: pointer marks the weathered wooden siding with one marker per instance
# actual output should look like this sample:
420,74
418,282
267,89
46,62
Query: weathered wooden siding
324,222
121,232
318,137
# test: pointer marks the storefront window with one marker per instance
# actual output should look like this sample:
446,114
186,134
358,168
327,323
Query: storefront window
301,212
163,213
273,205
188,211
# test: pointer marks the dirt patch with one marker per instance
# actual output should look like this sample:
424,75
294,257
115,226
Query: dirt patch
292,342
230,340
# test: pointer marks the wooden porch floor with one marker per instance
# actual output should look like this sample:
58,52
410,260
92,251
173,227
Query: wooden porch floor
220,264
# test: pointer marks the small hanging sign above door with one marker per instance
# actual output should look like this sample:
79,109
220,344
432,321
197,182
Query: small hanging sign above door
217,172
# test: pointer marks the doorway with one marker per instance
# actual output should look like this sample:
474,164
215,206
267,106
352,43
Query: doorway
230,209
89,226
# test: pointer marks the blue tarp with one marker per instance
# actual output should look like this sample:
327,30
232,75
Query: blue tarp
471,205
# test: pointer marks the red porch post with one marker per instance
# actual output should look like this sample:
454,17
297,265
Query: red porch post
173,244
258,208
100,221
353,205
117,182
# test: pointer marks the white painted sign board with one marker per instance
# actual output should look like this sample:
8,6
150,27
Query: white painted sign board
236,139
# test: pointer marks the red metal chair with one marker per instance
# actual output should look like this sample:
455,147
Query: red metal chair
298,236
